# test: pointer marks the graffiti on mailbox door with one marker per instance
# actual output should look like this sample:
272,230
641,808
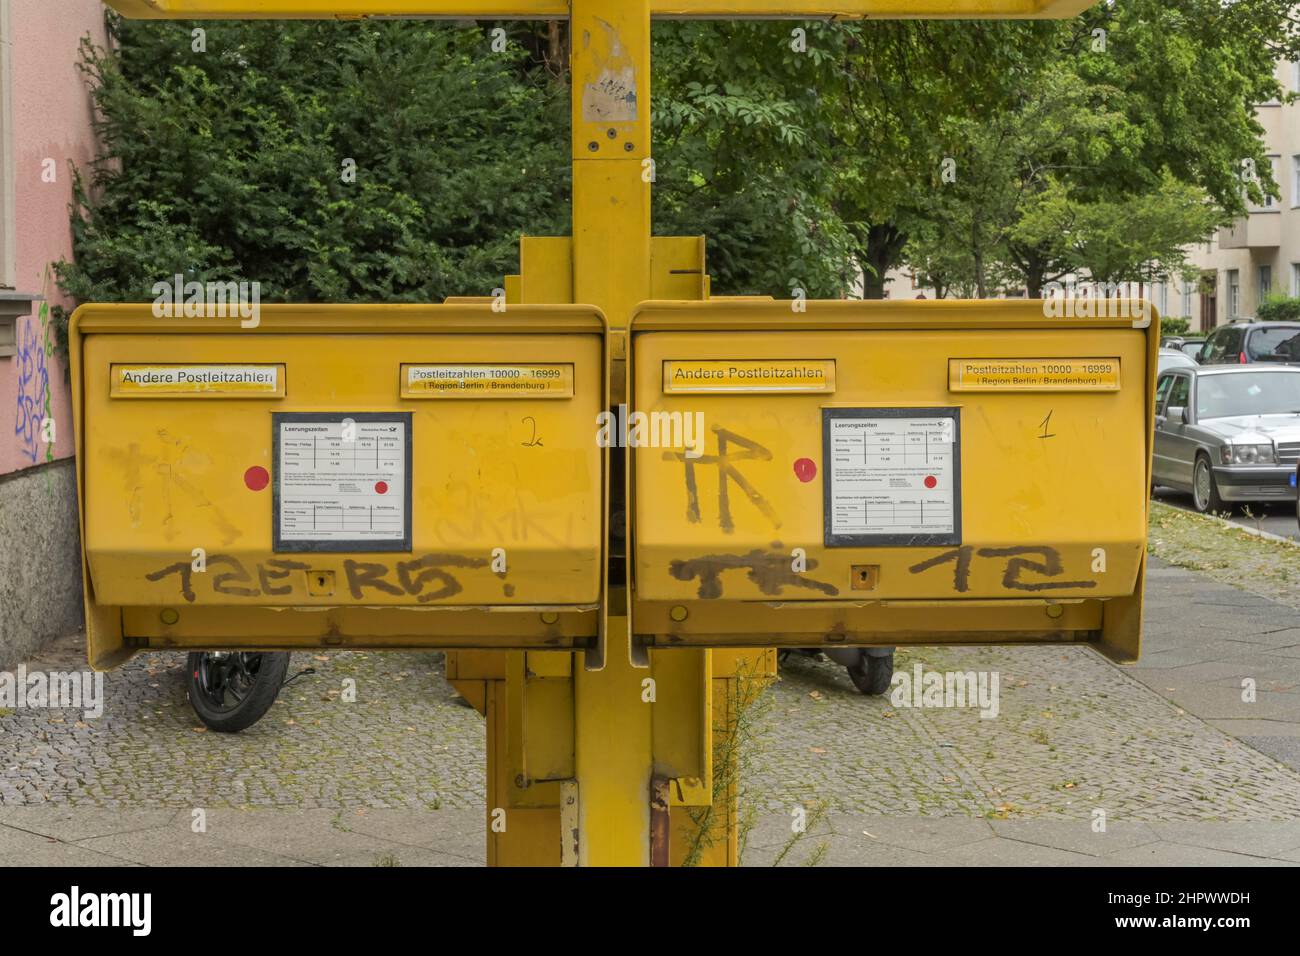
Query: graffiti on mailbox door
428,578
732,448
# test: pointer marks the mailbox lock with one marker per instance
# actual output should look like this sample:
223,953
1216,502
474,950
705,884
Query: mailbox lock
169,616
320,583
1055,610
864,577
678,613
550,617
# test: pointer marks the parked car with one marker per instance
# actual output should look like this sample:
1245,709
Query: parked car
1228,433
1189,345
1244,342
1173,358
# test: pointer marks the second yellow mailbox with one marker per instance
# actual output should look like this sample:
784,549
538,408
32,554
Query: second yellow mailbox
876,473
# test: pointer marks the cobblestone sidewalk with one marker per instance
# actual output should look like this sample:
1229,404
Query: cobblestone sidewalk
1073,733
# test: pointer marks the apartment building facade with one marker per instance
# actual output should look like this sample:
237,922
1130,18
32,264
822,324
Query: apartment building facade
45,124
1240,265
1260,253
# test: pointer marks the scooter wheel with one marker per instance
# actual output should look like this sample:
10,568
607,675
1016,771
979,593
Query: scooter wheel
871,675
232,691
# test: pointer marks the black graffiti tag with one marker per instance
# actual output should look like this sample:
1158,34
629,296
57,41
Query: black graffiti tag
1050,566
770,570
727,472
413,577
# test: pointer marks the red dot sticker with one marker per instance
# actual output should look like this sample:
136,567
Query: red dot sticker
805,469
256,478
931,481
381,487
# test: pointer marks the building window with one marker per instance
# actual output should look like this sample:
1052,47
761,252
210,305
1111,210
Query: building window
1234,293
1187,296
1295,279
1295,180
1265,282
1274,162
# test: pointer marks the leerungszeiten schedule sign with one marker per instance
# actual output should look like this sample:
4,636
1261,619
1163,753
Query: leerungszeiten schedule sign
342,484
893,477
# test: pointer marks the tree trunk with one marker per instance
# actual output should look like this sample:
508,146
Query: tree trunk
884,245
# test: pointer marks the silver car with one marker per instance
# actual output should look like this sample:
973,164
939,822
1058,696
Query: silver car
1228,433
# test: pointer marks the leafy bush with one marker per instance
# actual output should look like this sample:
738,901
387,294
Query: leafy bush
230,164
1170,325
1278,308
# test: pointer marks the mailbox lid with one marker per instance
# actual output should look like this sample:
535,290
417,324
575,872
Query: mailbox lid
493,496
1047,475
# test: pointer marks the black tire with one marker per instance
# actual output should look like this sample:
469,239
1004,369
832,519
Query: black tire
1206,500
872,674
233,691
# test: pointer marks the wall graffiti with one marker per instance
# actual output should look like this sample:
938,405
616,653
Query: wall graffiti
30,363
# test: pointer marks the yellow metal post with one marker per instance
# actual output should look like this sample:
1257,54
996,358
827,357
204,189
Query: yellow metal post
610,44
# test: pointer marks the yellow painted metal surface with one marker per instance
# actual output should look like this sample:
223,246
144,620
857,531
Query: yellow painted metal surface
1036,525
550,713
559,9
180,493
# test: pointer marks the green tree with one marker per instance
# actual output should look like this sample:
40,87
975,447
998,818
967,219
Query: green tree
339,162
1136,138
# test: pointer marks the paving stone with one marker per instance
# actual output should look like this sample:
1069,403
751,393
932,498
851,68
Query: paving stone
1003,852
1073,734
23,848
920,835
1283,748
1077,837
177,847
1178,854
453,833
81,823
1265,839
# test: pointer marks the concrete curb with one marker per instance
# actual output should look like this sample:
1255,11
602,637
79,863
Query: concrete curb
1266,535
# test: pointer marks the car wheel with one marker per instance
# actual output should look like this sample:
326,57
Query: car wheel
1205,490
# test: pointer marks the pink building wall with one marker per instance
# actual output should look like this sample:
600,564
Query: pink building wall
51,120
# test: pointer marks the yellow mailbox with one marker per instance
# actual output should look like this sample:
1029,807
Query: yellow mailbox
340,476
877,473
